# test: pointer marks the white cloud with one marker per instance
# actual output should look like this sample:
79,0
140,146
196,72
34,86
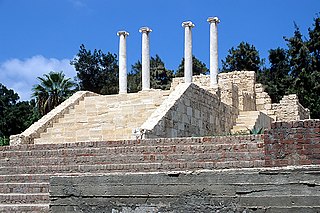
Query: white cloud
21,75
78,3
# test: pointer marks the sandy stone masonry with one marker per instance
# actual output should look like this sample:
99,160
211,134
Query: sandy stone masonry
240,89
34,131
188,109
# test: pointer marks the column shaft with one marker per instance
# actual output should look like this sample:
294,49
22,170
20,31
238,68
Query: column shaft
122,62
213,51
145,58
188,51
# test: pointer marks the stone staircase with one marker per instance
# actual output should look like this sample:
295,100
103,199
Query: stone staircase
96,118
26,169
248,120
259,190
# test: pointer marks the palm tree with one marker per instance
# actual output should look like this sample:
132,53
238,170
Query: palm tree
52,90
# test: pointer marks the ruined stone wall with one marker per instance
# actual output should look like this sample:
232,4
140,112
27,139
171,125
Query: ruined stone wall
245,190
263,100
245,81
289,109
190,111
229,94
240,82
200,80
293,143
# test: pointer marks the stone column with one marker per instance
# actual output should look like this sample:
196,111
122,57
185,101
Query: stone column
145,58
122,62
214,21
188,25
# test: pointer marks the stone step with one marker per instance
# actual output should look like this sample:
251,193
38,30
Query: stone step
17,150
24,198
25,178
131,167
64,151
31,178
167,156
115,109
25,208
24,188
286,209
245,121
247,117
104,112
243,127
272,201
240,129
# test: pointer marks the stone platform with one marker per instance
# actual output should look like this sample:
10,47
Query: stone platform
287,189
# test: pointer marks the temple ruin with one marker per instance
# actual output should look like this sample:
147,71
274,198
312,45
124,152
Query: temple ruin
187,149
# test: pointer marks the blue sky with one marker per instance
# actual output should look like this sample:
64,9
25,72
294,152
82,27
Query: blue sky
38,36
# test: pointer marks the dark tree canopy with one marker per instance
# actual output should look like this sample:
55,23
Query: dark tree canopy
198,67
276,78
243,57
305,70
160,77
96,71
15,116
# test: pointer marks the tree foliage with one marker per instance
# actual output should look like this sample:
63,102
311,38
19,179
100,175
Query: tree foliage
305,69
15,116
53,89
96,71
160,77
198,67
276,78
243,57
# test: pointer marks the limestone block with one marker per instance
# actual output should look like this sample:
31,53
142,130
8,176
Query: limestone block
180,126
189,111
260,101
197,113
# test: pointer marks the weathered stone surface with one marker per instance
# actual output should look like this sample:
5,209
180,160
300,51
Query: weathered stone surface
34,131
186,110
190,111
246,190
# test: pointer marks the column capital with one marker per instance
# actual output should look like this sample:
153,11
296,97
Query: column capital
213,20
187,24
125,33
145,30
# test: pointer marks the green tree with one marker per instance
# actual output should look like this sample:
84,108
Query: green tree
135,77
276,78
15,116
314,44
160,77
52,90
305,82
198,67
96,71
243,57
314,48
